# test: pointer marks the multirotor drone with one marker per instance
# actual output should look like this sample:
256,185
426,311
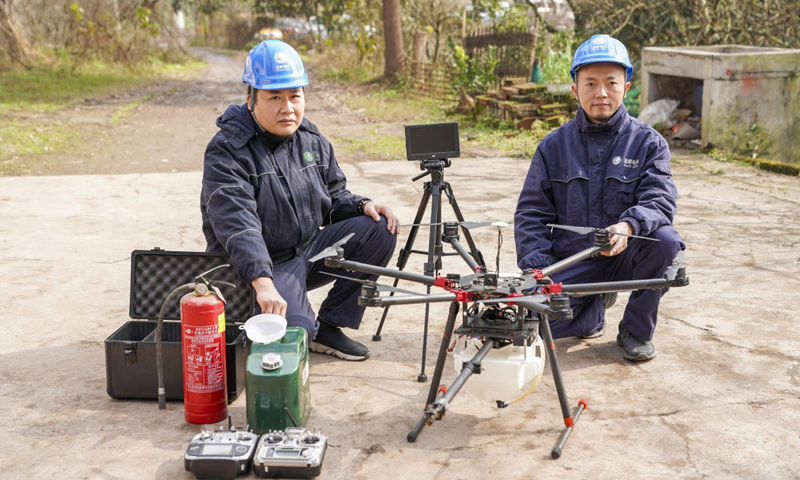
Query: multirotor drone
501,310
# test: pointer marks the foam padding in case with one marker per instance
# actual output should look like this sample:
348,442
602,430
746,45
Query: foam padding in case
155,273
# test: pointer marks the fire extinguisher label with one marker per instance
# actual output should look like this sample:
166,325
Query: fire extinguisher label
221,321
203,367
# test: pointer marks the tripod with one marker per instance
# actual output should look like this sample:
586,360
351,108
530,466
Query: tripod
432,193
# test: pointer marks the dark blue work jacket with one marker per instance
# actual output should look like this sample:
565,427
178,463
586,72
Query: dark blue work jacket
263,206
592,175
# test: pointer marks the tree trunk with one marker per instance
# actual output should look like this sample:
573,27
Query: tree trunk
8,36
393,56
420,39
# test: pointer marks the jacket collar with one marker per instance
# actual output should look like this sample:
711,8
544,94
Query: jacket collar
613,125
238,123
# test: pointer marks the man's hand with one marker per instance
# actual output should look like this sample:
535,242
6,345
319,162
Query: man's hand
375,211
268,297
618,242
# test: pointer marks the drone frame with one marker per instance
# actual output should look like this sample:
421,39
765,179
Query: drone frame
534,298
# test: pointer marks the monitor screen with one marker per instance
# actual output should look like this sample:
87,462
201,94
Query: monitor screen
432,141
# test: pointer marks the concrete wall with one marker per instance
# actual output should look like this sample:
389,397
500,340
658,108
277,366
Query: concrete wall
750,95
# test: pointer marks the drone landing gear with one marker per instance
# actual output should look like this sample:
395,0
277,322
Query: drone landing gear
439,398
433,194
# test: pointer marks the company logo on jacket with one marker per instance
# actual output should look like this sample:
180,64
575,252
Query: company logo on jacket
312,157
627,162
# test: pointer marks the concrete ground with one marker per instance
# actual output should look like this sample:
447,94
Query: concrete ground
721,400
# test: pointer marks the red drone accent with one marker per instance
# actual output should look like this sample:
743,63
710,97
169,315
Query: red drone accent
512,295
583,402
537,274
552,288
442,282
569,422
462,296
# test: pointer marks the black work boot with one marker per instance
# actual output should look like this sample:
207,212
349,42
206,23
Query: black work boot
330,340
635,350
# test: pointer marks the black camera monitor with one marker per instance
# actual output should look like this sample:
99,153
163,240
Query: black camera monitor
432,141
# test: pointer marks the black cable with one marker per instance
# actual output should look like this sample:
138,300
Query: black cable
162,393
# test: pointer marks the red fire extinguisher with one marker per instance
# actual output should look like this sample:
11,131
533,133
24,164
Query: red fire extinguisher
203,355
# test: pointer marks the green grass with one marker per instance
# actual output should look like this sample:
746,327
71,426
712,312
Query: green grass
349,74
46,89
762,163
23,138
392,105
116,119
504,137
376,146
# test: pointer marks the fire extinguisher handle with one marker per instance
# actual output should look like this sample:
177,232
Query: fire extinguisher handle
202,276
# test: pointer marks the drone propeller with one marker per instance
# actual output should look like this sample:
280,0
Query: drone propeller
677,263
469,225
331,251
378,286
586,230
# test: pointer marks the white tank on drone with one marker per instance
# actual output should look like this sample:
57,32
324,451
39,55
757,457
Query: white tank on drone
505,371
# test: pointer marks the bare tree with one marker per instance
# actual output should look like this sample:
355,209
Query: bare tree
443,17
9,41
394,54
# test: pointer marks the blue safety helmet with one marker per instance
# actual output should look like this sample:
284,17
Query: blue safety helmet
601,48
274,65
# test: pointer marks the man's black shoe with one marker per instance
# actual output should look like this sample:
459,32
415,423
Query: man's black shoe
330,340
635,350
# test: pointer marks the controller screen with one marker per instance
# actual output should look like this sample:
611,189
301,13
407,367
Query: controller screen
287,452
217,449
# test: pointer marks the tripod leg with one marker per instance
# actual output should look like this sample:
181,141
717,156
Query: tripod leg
437,372
433,264
476,254
405,252
569,417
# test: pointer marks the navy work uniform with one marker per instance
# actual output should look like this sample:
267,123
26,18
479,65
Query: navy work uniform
597,175
264,203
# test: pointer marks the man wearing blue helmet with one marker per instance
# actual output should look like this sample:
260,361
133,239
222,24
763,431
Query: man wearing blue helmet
602,169
270,183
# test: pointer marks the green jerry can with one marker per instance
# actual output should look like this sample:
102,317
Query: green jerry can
277,381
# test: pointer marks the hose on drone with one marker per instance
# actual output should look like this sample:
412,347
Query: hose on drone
538,344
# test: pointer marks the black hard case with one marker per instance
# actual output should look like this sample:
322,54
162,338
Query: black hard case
131,350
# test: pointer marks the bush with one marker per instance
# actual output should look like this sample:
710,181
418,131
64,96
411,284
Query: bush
473,75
